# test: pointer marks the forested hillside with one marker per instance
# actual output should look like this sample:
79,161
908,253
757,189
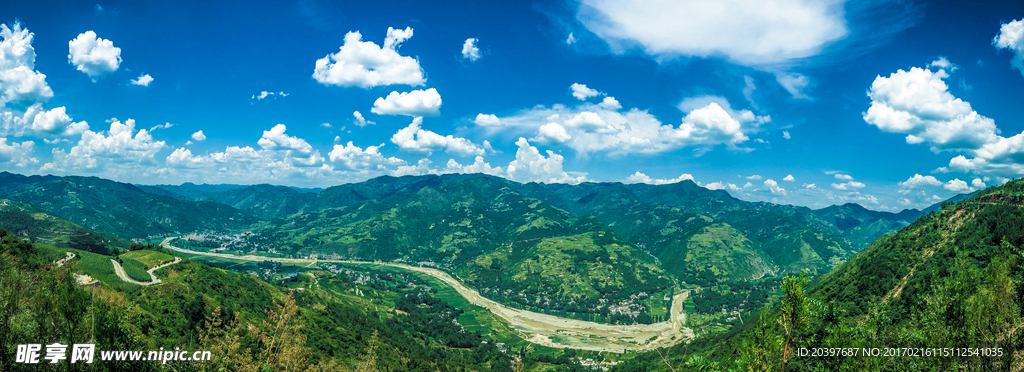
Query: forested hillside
951,281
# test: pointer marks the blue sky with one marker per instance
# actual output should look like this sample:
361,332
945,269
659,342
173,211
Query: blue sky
890,105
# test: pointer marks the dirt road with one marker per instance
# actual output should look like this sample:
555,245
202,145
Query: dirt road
543,329
153,279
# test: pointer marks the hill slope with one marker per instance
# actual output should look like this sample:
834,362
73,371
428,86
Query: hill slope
124,209
952,280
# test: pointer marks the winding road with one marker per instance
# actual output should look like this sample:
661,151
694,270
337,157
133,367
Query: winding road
153,279
542,329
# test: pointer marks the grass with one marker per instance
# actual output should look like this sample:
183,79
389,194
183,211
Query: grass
94,265
135,269
149,258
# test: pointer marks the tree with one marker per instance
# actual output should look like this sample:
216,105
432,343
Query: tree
794,312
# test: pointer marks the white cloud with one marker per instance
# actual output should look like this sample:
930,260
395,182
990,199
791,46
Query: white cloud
417,140
327,125
918,181
552,134
265,95
570,40
531,166
918,103
469,49
24,90
199,136
478,166
18,154
161,126
280,157
643,178
354,158
1011,36
581,92
92,55
19,82
774,187
142,80
118,150
589,122
789,178
785,134
978,183
487,120
747,32
595,128
610,103
364,64
956,185
754,177
840,176
943,64
810,186
848,185
360,120
793,83
414,103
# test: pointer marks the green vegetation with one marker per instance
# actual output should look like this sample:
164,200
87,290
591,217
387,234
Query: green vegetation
124,209
952,280
148,258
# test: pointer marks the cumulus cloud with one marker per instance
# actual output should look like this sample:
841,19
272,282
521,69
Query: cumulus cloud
570,40
487,120
774,187
754,177
747,32
279,157
531,166
19,82
581,92
552,134
24,90
276,139
785,134
92,55
978,183
1011,37
199,136
789,178
414,103
918,103
18,154
354,158
121,147
610,103
142,80
469,49
359,120
478,166
846,177
709,121
956,185
417,140
365,64
918,181
639,177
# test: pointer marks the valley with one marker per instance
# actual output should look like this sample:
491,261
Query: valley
541,329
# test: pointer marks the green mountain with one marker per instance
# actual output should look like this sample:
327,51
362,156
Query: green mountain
316,321
40,227
949,286
125,210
